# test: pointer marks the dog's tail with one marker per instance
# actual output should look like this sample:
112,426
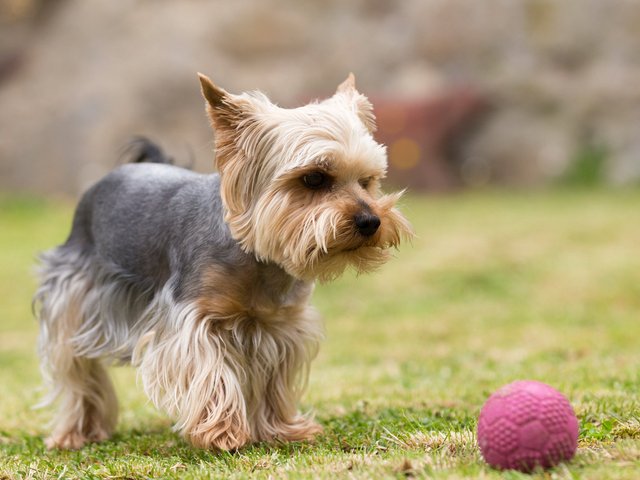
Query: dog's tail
141,149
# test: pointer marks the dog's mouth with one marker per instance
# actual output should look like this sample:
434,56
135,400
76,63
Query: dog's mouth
346,251
354,244
364,244
318,253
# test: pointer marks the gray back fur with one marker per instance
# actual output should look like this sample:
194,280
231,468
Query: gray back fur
148,222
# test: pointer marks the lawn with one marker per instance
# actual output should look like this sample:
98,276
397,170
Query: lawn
497,286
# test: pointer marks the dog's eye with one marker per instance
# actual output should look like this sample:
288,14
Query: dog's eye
316,180
365,182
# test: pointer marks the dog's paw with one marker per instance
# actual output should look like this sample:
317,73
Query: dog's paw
227,440
66,441
74,440
299,429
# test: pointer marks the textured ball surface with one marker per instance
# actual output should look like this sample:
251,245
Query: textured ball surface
527,424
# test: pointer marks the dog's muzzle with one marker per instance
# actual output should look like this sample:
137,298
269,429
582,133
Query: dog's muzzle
366,223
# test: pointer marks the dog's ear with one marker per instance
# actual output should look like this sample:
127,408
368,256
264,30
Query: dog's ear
361,104
348,86
225,111
212,93
233,118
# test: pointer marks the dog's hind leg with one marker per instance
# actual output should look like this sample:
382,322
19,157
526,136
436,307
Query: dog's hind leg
87,403
88,406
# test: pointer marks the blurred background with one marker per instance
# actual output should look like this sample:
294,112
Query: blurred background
512,102
467,92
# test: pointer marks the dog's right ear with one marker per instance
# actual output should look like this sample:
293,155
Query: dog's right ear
226,111
212,93
229,116
222,108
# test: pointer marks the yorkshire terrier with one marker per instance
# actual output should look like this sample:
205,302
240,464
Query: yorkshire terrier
203,281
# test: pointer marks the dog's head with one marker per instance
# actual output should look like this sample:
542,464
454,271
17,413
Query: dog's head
301,187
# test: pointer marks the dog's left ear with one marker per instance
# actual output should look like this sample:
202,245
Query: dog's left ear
362,105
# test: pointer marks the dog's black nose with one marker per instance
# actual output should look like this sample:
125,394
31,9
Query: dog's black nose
367,224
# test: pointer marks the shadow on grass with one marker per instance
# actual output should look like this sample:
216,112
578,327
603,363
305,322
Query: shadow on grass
357,431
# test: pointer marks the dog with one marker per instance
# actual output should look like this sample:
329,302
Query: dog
203,281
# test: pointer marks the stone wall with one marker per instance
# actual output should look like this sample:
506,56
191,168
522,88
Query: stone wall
558,78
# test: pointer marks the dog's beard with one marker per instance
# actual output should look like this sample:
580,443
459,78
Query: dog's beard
321,241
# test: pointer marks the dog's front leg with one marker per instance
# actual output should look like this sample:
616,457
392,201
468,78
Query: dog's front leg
283,369
188,371
278,417
220,421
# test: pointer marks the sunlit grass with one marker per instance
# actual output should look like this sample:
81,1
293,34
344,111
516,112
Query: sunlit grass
496,286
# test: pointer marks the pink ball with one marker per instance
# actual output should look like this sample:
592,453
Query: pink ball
527,424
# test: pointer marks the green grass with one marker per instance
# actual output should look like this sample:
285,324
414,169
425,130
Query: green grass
497,286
